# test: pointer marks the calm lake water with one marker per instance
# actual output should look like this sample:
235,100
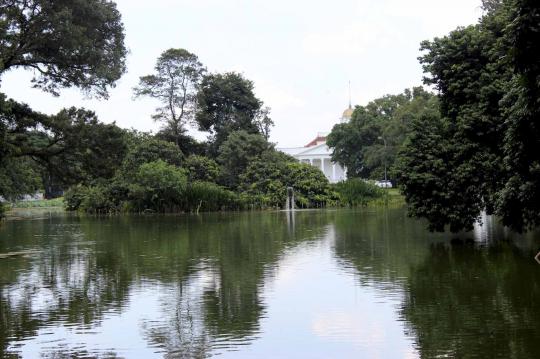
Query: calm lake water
308,284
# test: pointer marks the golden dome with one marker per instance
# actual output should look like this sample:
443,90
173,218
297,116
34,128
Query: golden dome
348,113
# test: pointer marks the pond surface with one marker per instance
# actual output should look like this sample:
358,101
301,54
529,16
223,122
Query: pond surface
313,284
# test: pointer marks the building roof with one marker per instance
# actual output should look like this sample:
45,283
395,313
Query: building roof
347,114
317,141
292,150
317,150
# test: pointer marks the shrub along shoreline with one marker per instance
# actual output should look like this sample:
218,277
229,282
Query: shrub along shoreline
199,196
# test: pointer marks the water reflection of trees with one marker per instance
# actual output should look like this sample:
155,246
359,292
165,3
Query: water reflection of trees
225,307
472,295
60,284
380,245
89,267
470,302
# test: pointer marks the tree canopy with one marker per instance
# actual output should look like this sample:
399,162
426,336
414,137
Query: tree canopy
483,152
237,152
377,131
268,176
227,103
68,43
175,85
71,146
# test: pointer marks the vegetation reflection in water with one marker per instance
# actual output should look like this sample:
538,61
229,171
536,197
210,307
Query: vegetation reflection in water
308,283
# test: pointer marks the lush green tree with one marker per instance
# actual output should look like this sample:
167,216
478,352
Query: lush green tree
266,179
84,149
432,188
174,84
66,42
483,153
453,165
237,152
17,178
519,200
187,144
311,187
158,186
145,148
376,132
227,103
202,168
71,147
347,141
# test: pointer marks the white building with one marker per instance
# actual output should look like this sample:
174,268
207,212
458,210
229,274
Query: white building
317,154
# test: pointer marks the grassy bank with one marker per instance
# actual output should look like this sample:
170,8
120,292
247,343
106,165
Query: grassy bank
391,197
42,203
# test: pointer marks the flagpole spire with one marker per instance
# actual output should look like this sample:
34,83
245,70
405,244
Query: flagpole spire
350,103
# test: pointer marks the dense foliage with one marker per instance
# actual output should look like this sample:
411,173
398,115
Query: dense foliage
65,42
357,192
267,179
145,148
482,153
237,152
377,131
227,103
152,181
519,200
158,186
67,148
202,168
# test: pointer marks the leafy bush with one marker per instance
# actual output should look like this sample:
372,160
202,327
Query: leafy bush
311,187
266,179
97,199
206,196
17,178
237,152
145,149
255,201
74,196
357,192
158,186
202,169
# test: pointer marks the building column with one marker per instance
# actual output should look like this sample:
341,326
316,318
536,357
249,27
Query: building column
322,165
311,161
334,172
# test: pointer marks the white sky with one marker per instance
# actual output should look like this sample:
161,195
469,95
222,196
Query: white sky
300,54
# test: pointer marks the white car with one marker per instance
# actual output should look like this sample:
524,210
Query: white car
383,184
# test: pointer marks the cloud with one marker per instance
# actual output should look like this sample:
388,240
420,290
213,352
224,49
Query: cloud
349,40
277,96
